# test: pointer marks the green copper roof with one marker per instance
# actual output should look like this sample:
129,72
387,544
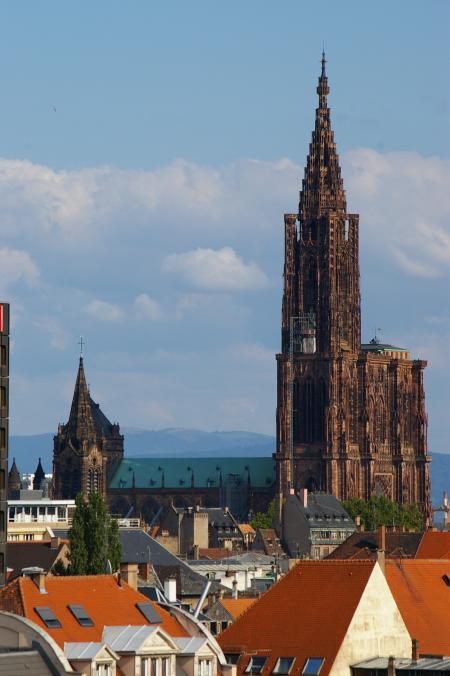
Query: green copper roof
381,347
177,472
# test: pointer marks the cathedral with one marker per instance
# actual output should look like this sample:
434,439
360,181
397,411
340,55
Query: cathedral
351,417
88,455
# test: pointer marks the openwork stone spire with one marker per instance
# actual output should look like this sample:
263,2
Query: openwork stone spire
322,186
80,426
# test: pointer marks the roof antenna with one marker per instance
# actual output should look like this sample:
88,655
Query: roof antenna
323,58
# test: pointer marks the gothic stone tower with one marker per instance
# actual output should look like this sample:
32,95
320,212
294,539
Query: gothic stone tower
86,449
351,418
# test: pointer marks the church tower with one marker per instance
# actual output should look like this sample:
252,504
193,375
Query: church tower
87,448
351,417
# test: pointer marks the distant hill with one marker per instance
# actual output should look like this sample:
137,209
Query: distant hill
182,443
171,442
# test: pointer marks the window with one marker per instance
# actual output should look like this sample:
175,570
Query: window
205,667
256,665
28,537
3,355
232,658
283,665
149,612
103,669
81,615
2,396
313,665
155,666
48,617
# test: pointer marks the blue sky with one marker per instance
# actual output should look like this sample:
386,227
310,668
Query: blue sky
149,151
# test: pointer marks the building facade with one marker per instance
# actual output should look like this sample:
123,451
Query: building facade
351,417
4,432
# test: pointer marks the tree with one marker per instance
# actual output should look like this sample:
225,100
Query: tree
77,537
94,537
264,519
380,510
114,546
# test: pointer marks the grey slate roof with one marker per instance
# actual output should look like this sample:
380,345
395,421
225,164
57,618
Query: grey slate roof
323,511
83,650
139,547
21,661
128,638
406,664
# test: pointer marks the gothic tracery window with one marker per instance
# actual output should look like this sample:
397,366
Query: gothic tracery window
309,402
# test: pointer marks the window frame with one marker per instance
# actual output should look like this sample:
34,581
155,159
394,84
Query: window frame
249,669
276,669
317,671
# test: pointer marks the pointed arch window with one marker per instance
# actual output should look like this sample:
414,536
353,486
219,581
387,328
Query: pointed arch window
380,421
309,402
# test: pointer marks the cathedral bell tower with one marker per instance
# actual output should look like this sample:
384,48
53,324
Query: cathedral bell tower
87,448
339,407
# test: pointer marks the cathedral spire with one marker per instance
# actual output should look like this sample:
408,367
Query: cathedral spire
322,187
322,88
80,426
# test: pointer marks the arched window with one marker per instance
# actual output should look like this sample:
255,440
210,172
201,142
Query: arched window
309,402
353,411
94,480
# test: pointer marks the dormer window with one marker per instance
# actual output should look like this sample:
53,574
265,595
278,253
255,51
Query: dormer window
313,665
155,666
283,665
256,664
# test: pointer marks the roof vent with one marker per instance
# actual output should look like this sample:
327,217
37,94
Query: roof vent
446,578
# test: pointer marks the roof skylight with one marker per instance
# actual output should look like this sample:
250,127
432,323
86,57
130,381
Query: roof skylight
313,665
48,617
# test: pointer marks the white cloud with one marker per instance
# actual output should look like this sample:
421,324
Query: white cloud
59,338
404,202
16,266
147,308
99,309
221,269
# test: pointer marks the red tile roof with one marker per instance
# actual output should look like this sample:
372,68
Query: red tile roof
423,599
105,602
306,614
237,606
214,553
434,545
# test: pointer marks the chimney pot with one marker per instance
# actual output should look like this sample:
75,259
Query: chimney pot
391,666
415,650
303,494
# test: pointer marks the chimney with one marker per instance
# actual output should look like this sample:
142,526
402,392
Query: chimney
415,650
358,522
391,666
382,538
196,549
55,542
129,573
170,589
303,495
234,593
37,575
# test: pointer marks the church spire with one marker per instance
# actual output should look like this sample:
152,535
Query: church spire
322,187
80,426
